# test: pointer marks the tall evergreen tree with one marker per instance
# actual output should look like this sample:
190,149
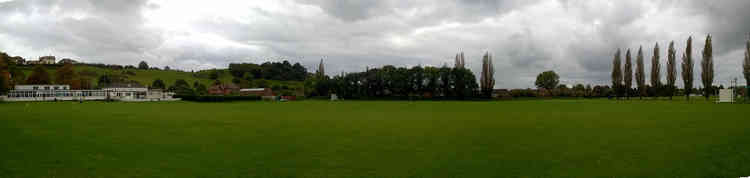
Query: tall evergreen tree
616,73
640,75
671,70
460,63
487,79
656,71
628,74
687,68
707,66
746,65
321,70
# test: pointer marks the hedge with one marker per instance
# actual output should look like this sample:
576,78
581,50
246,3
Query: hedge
217,98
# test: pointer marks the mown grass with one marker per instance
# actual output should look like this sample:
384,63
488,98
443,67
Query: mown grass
531,138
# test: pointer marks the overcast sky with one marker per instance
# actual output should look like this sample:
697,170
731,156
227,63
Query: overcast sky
576,39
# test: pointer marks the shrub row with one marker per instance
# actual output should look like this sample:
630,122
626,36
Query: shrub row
217,98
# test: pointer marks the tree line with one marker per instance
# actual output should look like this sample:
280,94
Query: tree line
622,80
416,82
269,70
433,82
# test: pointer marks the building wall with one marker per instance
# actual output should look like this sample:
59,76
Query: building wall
42,87
75,95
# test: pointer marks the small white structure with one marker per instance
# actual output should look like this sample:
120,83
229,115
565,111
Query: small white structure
252,89
726,96
126,91
334,97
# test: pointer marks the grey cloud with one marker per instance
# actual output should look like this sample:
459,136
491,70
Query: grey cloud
729,24
352,10
526,37
112,31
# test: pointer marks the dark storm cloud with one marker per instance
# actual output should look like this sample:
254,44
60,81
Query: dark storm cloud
729,22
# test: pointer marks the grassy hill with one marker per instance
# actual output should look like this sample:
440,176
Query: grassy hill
146,77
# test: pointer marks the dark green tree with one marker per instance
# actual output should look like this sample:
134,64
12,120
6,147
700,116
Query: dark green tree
487,78
181,87
628,75
656,72
143,65
548,80
200,89
616,74
158,84
214,74
707,66
640,74
671,70
687,68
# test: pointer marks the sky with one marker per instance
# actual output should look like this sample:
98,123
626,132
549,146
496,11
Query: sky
576,39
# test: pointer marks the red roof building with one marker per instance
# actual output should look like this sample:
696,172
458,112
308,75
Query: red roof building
223,89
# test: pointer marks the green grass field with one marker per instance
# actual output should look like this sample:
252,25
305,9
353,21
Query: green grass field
532,138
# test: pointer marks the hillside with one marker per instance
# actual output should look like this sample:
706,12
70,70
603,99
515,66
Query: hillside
146,77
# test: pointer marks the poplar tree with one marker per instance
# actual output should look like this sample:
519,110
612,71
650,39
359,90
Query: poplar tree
628,78
656,71
487,79
687,68
460,63
640,75
616,72
321,70
746,65
671,70
707,66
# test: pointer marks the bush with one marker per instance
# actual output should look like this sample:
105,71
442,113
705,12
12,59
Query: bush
215,98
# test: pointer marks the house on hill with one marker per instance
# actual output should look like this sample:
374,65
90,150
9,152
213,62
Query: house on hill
43,60
223,89
47,60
